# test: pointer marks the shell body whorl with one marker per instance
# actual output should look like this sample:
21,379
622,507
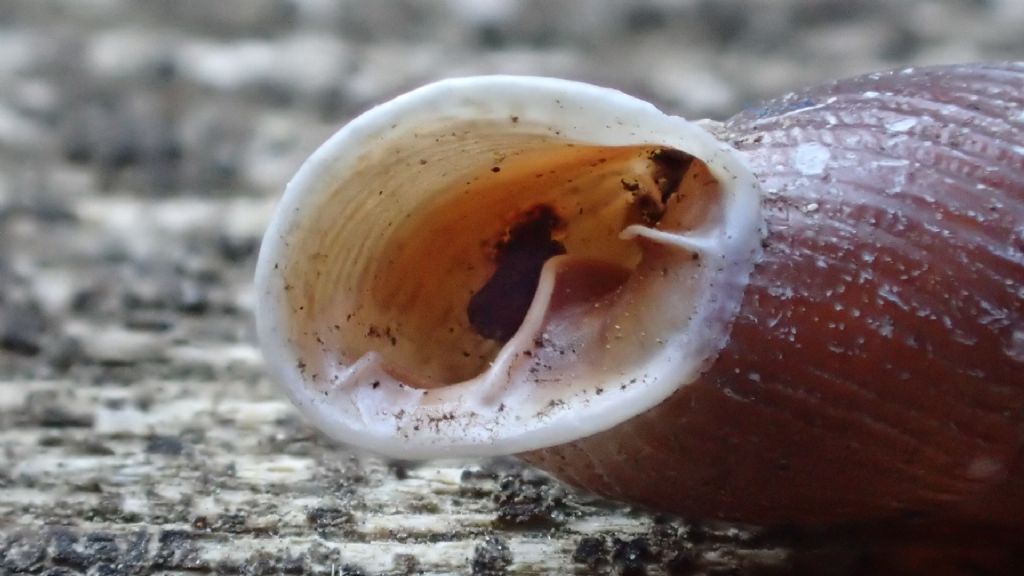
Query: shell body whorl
817,318
875,369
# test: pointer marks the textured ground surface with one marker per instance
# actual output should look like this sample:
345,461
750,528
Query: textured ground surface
142,146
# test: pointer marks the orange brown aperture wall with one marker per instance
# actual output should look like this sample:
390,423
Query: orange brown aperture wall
876,367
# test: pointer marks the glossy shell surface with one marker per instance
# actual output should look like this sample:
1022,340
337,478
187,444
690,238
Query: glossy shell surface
875,368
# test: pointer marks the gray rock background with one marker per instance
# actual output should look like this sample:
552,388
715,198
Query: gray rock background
142,147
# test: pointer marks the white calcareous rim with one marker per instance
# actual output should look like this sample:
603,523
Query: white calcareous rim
551,108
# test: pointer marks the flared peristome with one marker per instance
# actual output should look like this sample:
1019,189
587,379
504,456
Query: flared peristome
499,264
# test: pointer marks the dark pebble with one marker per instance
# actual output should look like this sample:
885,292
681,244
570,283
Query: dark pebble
532,503
492,557
632,556
592,552
400,468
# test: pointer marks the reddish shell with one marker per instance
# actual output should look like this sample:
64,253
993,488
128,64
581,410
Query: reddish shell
876,368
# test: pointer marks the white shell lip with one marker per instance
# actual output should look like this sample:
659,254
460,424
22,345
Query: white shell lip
575,112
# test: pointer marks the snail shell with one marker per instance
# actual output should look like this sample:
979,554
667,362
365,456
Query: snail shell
811,313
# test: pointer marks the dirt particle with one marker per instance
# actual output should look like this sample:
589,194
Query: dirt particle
327,518
491,557
529,502
630,185
650,208
592,552
400,468
631,557
669,168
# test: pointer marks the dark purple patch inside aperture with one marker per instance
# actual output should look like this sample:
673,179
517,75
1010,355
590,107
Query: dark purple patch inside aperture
497,310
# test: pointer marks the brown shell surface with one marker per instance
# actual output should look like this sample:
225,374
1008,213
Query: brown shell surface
876,368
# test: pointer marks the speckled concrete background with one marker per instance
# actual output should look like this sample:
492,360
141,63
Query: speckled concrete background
142,147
